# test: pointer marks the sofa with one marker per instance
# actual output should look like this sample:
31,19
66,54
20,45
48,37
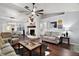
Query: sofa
6,36
6,49
51,37
9,37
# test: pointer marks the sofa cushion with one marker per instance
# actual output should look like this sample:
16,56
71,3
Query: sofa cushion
49,37
48,33
6,39
1,41
14,39
5,45
0,45
7,50
0,53
53,38
5,34
11,54
55,33
45,37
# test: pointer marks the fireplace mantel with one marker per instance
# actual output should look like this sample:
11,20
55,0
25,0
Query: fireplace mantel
31,26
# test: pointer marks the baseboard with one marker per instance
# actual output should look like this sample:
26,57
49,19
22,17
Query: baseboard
73,43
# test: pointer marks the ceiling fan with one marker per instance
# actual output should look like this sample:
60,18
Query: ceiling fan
34,11
8,17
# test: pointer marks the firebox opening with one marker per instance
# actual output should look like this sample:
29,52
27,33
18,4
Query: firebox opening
32,32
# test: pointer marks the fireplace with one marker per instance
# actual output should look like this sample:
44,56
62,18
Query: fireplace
32,32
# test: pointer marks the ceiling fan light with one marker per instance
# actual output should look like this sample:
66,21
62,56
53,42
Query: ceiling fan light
34,10
33,13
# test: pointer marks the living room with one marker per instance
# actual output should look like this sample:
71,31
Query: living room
39,29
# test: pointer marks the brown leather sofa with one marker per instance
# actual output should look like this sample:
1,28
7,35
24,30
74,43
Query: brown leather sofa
6,36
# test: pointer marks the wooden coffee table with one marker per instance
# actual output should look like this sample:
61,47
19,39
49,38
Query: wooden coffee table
30,46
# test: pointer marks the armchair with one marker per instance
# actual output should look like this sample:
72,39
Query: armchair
6,49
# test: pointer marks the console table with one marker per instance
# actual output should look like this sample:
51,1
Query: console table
62,38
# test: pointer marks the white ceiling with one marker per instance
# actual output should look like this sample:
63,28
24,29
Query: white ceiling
52,7
14,9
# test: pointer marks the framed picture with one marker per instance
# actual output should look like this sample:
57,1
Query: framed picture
59,23
54,24
60,26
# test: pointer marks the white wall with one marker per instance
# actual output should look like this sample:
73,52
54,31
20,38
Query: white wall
71,21
0,27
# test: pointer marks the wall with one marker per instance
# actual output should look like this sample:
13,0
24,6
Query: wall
71,22
22,20
19,18
0,27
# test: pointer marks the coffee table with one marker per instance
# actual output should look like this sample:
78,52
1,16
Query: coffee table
30,46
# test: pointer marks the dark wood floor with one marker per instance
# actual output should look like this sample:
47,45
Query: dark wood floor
58,50
61,50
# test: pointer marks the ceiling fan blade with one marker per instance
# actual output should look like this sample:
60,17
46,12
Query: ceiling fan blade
37,14
23,11
8,17
40,13
40,10
52,14
59,13
26,7
12,17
